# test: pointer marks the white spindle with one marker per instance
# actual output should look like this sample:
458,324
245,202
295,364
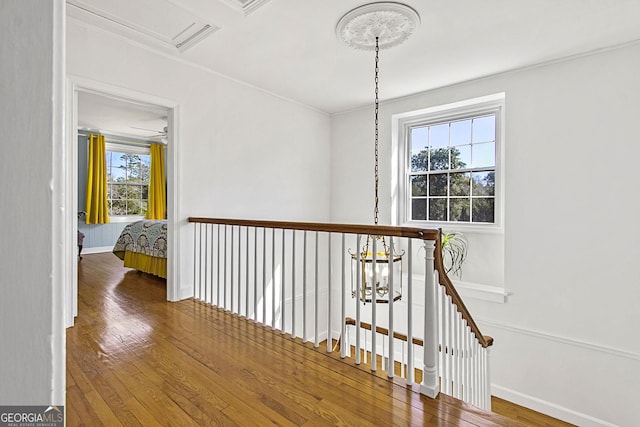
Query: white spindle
293,284
263,298
231,267
358,273
410,368
316,339
239,282
273,278
329,302
391,363
255,274
304,288
282,286
343,300
374,281
246,274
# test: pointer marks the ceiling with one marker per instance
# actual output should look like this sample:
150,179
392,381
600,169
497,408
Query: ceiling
113,116
289,47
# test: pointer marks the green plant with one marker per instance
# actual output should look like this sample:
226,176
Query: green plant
454,252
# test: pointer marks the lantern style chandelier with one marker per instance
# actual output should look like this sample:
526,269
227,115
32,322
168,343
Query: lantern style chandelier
376,269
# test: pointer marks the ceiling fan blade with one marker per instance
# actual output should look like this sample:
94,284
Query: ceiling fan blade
147,129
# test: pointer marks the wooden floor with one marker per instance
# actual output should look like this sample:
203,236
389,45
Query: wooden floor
135,360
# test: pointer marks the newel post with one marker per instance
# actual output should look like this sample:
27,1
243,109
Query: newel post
430,382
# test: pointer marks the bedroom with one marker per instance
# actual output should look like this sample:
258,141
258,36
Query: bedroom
564,332
130,129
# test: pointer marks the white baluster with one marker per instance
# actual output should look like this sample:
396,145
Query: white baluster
359,260
282,287
239,303
374,305
246,274
264,277
329,302
410,369
304,288
293,284
391,365
343,303
255,274
273,278
316,339
231,268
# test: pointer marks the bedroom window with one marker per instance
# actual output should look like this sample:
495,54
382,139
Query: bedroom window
128,170
450,164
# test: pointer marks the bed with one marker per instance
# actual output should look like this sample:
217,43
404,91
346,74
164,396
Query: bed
143,245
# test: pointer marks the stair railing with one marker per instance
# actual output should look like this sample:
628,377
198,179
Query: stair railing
292,277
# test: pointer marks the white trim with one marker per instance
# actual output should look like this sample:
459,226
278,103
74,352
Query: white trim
61,311
563,340
481,292
184,61
97,250
80,84
533,66
548,408
401,123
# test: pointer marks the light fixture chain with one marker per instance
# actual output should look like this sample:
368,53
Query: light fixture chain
376,210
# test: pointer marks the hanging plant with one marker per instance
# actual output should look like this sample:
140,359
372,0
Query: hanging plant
454,252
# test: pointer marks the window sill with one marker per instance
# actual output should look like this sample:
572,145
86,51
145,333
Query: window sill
481,292
126,218
457,226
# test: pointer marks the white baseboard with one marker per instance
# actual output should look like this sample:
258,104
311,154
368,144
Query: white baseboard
186,293
548,408
96,250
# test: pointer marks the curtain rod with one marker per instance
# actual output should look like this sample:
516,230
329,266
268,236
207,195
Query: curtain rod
112,138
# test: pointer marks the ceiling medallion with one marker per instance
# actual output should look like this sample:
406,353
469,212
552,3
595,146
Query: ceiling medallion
390,22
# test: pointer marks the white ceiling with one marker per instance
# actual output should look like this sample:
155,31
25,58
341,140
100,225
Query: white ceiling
113,116
289,47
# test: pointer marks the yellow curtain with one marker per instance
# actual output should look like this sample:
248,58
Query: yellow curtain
97,207
157,206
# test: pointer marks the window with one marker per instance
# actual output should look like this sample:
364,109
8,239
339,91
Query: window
128,170
450,163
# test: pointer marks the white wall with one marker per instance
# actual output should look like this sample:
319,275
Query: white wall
566,342
243,153
31,309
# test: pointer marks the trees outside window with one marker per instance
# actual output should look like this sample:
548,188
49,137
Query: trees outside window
452,169
127,183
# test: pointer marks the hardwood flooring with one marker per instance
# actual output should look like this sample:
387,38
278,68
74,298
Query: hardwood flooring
135,360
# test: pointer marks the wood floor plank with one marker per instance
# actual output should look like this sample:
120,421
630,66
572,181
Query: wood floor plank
135,359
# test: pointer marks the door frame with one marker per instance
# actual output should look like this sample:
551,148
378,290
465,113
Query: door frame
75,85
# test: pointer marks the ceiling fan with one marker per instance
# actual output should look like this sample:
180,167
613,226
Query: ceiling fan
158,133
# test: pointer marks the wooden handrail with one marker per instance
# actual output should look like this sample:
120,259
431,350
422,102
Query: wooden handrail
383,331
374,230
483,340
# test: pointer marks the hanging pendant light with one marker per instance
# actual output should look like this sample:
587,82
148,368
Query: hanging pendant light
376,269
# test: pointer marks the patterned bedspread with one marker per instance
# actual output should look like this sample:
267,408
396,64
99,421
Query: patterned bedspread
147,237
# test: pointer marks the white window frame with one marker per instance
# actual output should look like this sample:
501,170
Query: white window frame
130,149
401,125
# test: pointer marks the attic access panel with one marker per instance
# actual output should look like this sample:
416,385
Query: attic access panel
160,20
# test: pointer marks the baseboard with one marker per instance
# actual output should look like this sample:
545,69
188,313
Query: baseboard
185,293
548,408
96,250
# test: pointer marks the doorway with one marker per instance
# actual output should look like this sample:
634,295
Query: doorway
108,109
